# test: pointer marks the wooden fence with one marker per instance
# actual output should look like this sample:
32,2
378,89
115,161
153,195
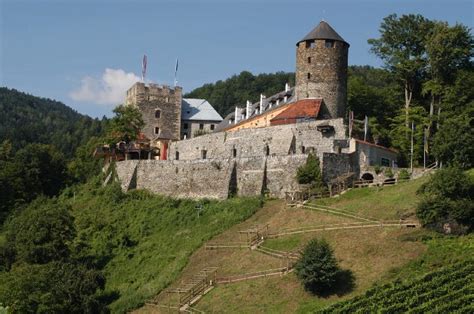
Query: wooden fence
265,273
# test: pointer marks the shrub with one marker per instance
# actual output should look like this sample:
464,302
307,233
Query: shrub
378,169
388,173
317,268
447,199
310,173
403,175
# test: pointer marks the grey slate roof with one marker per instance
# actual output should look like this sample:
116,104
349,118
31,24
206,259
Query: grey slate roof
323,31
198,109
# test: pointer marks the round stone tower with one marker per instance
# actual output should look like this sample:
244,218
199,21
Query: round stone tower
321,69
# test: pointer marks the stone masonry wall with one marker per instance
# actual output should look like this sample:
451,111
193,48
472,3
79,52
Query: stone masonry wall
266,161
152,97
327,70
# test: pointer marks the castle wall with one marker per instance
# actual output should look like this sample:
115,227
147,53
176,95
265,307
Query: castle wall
327,70
281,141
266,161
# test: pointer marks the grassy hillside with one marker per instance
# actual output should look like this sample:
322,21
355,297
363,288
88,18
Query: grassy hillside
376,256
143,241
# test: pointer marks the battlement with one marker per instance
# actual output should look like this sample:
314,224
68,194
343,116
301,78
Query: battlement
141,92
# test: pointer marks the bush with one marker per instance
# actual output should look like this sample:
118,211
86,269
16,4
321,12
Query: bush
447,201
389,173
317,268
310,173
403,175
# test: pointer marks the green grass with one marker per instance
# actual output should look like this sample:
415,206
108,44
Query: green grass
388,202
144,240
286,243
438,291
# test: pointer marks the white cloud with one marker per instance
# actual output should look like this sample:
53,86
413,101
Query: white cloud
110,89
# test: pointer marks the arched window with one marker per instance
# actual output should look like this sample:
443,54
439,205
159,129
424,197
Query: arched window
157,113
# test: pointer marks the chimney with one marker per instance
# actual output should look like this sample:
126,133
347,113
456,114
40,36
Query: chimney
262,97
236,115
287,87
247,109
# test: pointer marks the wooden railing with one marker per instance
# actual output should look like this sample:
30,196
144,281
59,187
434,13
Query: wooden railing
259,274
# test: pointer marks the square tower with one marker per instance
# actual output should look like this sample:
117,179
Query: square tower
160,106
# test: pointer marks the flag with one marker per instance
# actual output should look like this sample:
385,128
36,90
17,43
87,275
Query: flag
176,73
366,127
144,62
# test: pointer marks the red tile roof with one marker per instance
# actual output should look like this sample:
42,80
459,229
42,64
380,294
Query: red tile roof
305,108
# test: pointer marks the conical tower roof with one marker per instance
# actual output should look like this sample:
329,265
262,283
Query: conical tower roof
323,31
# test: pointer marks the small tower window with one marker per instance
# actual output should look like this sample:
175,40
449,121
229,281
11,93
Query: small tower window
309,59
303,149
157,113
267,150
212,127
157,130
203,154
177,155
234,152
309,76
329,43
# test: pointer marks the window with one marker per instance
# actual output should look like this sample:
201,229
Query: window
212,127
309,76
203,154
157,130
303,149
309,59
329,43
234,152
185,126
201,126
267,150
385,162
157,113
177,156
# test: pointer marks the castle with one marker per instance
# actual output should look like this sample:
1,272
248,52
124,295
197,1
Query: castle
257,148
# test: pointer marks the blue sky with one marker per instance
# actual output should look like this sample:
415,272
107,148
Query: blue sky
86,53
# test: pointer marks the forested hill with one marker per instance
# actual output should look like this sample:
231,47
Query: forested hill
26,119
237,89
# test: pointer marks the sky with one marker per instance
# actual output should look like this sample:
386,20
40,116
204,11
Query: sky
88,53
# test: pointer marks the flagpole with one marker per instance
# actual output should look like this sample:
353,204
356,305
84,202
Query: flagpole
411,157
424,149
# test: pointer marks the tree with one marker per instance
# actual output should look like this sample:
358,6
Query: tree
33,170
52,288
454,142
402,47
398,132
126,124
449,49
310,173
446,198
41,233
317,268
